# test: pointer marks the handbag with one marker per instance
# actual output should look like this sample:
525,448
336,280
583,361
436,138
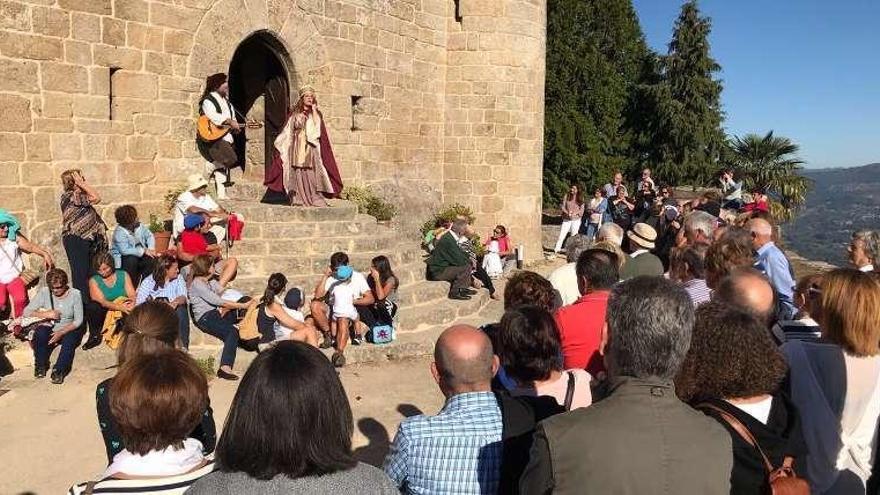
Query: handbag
381,334
782,480
111,332
27,275
234,228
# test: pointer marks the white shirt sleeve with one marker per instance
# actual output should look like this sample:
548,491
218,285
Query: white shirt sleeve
210,111
359,284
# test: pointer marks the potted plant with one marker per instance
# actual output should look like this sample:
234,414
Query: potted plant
160,233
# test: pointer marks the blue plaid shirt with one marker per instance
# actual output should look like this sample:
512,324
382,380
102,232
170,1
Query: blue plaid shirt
458,451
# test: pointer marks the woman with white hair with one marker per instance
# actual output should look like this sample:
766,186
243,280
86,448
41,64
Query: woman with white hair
864,249
303,167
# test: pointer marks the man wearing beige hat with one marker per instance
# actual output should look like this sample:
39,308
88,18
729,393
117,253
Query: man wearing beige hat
197,200
642,262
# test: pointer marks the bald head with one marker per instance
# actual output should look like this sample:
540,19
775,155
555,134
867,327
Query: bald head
761,232
748,289
463,360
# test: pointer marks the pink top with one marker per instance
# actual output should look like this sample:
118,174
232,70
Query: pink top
582,396
503,243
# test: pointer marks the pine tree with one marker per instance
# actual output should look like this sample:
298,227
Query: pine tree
686,130
596,57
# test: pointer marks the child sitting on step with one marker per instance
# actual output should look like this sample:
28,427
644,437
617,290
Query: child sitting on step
293,302
343,315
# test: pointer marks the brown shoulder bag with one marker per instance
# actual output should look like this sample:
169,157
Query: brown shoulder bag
782,480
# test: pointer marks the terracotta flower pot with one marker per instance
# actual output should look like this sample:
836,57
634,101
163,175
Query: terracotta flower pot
163,240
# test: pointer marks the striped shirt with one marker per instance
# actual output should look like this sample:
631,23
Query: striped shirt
79,217
170,290
456,452
168,485
698,291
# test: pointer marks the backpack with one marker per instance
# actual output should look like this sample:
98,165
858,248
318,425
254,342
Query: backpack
782,480
247,328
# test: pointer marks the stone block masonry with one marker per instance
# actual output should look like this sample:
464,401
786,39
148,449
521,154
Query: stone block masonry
431,101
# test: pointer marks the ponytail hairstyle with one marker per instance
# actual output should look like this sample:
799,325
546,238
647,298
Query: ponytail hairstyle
276,285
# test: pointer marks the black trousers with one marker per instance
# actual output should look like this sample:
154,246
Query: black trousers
138,267
481,275
79,256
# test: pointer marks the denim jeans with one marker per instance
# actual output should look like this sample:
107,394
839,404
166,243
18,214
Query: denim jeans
68,343
183,325
592,230
222,327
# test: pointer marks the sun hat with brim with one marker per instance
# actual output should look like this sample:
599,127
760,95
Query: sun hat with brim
343,272
195,181
643,234
193,221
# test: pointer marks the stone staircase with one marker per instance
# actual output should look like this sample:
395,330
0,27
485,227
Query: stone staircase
298,242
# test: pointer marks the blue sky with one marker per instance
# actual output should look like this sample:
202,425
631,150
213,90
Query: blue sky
807,69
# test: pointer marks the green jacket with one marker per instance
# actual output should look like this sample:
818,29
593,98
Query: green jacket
446,253
640,440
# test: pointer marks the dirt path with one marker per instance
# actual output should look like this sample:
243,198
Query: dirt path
50,436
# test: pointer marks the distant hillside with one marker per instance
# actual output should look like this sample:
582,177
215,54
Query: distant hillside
842,201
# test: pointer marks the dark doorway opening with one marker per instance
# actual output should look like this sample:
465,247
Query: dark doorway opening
259,68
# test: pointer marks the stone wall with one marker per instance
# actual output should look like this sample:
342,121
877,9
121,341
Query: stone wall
449,100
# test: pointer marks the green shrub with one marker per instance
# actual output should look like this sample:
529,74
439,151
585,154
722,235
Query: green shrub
449,213
369,202
170,198
155,225
207,366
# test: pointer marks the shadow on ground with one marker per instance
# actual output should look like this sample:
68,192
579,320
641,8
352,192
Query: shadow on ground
378,438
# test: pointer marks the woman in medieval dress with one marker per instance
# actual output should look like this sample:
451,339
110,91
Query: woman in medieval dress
303,171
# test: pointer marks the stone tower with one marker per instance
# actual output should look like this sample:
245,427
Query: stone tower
430,101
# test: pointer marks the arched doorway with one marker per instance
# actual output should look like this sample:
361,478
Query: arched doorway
259,81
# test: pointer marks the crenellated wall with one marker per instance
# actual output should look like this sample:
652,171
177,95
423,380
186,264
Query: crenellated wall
429,100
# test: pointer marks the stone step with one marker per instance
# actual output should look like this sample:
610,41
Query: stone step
254,211
246,190
315,264
438,312
378,242
361,225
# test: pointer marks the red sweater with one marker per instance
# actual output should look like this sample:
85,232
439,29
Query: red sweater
580,329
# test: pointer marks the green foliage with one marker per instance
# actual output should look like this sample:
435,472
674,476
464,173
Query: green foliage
171,196
155,225
596,58
207,365
769,162
369,202
446,215
688,139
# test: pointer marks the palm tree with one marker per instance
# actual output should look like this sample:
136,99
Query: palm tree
770,163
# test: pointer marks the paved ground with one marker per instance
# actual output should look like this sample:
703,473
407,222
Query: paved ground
51,437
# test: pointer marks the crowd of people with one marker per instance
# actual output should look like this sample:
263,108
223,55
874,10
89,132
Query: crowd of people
111,276
675,353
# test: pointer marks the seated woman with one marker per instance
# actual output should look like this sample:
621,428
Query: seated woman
835,383
213,314
499,250
112,295
383,283
12,244
807,302
733,368
150,328
530,350
156,400
166,285
193,243
134,246
307,449
271,314
62,309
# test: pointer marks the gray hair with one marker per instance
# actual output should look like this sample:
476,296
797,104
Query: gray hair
459,225
575,246
700,221
650,321
872,243
610,232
